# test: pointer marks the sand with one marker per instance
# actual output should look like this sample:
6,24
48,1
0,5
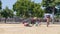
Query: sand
20,29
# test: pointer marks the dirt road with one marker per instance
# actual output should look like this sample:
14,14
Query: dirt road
20,29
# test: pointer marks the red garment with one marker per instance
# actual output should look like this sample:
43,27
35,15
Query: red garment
26,24
32,21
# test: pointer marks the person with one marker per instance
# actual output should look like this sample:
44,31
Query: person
38,22
48,19
26,24
32,21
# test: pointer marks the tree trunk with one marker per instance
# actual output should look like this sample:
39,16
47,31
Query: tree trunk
5,20
53,18
53,15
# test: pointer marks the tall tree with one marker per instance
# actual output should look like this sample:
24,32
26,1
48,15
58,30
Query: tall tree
50,6
6,13
26,8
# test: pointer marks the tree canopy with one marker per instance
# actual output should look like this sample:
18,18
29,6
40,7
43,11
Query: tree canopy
27,8
50,5
6,12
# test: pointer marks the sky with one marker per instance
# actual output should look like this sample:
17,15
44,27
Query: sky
9,3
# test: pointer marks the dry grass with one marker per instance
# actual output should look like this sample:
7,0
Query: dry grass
20,29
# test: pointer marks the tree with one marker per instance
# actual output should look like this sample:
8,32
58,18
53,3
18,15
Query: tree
58,5
50,6
6,13
37,11
27,8
0,4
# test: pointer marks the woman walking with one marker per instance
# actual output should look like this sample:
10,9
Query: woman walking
48,20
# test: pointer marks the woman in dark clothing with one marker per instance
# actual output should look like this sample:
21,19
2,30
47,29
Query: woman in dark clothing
32,21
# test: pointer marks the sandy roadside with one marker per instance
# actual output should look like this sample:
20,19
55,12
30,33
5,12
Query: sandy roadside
20,29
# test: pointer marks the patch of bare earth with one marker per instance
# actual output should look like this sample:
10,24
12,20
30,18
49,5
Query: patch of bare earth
20,29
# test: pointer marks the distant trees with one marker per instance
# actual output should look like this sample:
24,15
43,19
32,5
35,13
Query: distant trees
6,13
26,8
